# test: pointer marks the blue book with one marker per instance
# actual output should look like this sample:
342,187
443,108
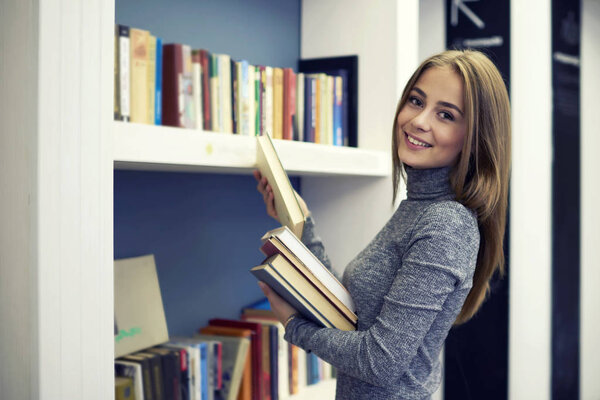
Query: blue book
274,359
337,110
158,93
309,117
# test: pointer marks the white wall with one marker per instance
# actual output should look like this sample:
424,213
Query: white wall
350,211
530,229
590,200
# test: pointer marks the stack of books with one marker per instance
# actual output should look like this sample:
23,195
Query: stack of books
290,268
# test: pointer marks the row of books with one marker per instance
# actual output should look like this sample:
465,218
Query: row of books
245,359
175,85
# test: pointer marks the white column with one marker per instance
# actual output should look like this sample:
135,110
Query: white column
589,350
530,227
56,296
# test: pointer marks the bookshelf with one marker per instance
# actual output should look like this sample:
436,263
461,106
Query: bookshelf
161,148
60,144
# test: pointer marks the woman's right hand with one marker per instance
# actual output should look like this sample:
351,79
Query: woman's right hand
269,198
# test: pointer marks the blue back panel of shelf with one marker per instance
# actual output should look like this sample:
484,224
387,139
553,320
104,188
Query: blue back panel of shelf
264,32
204,230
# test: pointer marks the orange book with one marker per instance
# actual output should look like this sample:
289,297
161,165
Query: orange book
293,368
289,102
245,392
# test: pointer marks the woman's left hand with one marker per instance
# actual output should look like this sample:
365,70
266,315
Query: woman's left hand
281,308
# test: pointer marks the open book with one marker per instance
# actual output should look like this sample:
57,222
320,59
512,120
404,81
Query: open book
287,206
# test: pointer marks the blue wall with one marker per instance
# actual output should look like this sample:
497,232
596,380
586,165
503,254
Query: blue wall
264,32
204,229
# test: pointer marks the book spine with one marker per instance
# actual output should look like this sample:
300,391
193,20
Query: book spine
308,111
215,93
116,97
158,85
197,88
299,107
277,103
139,72
244,108
251,100
257,101
289,103
189,108
235,96
124,73
225,111
172,112
329,110
339,141
268,101
151,78
205,61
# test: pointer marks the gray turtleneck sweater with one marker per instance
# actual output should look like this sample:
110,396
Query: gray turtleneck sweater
409,285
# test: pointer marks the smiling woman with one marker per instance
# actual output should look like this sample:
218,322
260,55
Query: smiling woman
429,267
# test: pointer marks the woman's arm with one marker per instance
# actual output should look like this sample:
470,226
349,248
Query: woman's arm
439,260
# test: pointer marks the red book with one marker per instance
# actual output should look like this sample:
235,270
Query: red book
259,386
205,62
289,102
172,110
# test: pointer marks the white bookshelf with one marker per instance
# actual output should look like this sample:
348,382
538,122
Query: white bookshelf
162,148
57,143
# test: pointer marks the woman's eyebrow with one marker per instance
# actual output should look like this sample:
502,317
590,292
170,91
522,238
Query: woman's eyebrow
442,103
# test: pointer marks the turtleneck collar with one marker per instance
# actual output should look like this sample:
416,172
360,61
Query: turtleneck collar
428,184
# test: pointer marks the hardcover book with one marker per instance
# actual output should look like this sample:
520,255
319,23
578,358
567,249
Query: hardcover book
286,281
286,204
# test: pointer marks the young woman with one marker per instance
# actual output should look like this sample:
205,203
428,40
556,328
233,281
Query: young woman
430,265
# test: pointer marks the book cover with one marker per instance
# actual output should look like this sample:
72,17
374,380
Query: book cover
288,208
128,369
289,240
139,48
139,310
277,132
277,269
274,246
171,371
236,353
124,388
173,101
258,379
158,83
156,372
124,73
147,374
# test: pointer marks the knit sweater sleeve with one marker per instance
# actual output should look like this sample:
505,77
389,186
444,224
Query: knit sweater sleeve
315,245
439,259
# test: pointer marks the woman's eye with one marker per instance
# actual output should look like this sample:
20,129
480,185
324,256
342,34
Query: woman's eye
447,115
415,101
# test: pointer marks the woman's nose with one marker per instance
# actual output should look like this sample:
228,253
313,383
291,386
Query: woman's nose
421,121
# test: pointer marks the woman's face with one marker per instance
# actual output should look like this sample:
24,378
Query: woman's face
432,124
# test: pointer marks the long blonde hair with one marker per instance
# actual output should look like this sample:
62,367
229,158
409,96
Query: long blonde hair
480,176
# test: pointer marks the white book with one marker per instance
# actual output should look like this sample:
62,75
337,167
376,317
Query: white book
124,71
138,386
302,370
285,235
197,85
225,93
268,113
193,357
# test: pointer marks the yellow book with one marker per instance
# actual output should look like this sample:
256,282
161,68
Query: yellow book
151,77
318,115
286,203
277,103
139,74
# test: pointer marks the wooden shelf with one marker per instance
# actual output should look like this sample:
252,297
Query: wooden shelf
160,148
